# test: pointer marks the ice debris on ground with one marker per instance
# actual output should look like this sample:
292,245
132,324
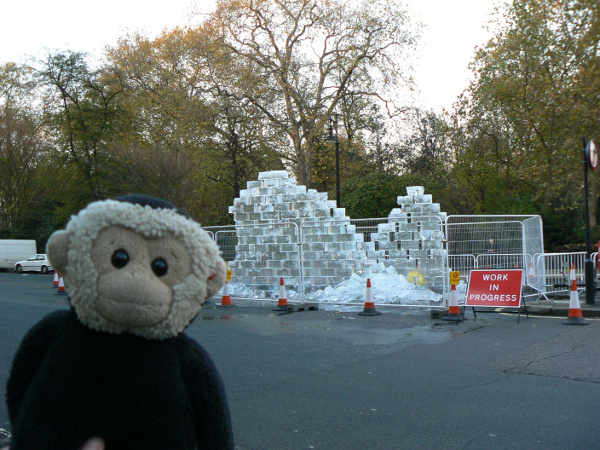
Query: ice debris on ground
387,286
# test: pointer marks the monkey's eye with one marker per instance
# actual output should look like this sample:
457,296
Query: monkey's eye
120,258
159,267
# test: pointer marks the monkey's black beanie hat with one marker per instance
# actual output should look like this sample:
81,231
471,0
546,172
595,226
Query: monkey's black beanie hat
153,202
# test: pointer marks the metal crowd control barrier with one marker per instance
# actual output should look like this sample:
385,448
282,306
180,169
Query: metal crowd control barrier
552,272
503,261
315,255
412,246
462,264
259,255
493,242
506,261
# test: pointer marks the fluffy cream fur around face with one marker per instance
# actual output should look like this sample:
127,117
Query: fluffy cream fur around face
206,275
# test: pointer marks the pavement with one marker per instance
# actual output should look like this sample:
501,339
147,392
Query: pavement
559,306
556,305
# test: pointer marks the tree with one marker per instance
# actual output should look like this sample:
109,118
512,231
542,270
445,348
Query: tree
373,195
184,141
521,121
426,156
22,147
291,62
426,151
82,107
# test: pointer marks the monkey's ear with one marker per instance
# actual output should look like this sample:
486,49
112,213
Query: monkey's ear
217,278
57,250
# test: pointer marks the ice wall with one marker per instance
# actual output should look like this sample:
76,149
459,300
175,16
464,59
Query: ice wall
283,228
412,240
271,214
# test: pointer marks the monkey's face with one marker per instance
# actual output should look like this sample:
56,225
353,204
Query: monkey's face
137,275
136,269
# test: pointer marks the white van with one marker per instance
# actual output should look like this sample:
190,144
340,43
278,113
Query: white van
13,250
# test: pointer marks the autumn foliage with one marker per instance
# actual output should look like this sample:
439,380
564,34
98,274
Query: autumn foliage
193,114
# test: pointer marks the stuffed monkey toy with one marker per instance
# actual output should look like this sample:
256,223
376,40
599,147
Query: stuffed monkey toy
117,364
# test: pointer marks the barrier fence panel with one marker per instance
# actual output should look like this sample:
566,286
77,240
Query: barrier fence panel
259,255
503,261
227,241
493,242
533,237
463,264
553,270
331,260
333,251
409,256
403,257
507,261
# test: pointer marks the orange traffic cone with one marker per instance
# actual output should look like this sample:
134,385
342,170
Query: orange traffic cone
55,283
226,300
61,286
453,308
369,309
282,304
575,316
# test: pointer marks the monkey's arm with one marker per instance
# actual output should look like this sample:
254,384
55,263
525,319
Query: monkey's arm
213,420
28,357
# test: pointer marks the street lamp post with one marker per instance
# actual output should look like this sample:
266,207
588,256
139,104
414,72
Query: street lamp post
333,139
590,158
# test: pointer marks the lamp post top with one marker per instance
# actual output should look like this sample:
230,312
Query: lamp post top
332,138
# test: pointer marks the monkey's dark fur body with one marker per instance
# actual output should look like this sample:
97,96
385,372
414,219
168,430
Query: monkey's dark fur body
133,392
118,365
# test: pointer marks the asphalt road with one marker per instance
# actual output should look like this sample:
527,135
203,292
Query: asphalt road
334,380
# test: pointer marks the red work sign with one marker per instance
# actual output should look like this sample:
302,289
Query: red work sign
495,288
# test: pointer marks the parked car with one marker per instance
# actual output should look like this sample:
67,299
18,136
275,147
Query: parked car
35,263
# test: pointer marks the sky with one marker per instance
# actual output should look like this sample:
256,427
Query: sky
452,31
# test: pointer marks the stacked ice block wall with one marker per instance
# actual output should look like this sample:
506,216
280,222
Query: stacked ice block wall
270,215
412,239
273,211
